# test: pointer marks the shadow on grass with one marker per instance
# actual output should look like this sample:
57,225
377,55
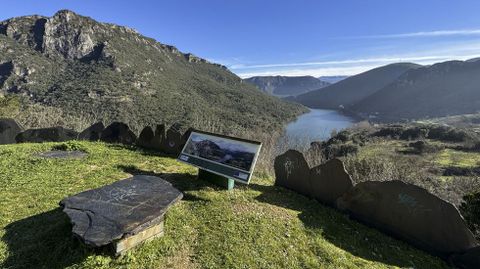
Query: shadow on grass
42,241
340,230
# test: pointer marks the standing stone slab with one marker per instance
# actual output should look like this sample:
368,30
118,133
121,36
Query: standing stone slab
118,132
9,129
329,181
92,133
146,139
173,142
159,139
292,172
118,211
467,260
411,213
52,134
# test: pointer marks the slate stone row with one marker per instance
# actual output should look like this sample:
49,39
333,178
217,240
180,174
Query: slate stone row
403,210
170,141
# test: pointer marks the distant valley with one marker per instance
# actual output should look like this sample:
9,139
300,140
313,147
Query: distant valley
404,91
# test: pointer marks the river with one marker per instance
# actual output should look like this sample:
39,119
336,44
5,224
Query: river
317,125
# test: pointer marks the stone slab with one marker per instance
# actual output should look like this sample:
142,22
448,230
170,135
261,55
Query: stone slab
61,154
292,172
92,133
52,134
9,129
410,213
329,181
124,208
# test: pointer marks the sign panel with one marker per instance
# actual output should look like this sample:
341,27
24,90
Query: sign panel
227,156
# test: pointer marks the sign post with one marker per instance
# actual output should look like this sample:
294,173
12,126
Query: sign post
221,159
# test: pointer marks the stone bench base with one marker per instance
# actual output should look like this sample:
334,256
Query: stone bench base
122,246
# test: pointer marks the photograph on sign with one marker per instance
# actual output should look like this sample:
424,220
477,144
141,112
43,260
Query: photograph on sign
227,156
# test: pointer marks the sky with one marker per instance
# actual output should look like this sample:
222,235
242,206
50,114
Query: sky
293,38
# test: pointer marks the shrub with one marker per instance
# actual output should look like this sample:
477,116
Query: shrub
69,146
470,209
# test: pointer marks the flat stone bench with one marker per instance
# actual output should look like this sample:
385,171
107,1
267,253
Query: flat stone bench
122,214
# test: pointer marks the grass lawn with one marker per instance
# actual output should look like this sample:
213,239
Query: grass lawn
255,226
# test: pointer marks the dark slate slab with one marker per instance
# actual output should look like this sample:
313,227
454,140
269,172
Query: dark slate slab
467,260
118,132
292,172
411,213
92,133
52,134
107,214
62,154
329,181
9,129
146,138
172,142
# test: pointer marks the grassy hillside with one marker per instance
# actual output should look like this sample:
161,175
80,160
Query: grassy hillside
449,88
255,226
73,70
287,86
355,88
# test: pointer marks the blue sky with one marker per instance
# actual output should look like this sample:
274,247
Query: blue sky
267,37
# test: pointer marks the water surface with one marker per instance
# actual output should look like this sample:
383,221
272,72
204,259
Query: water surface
317,125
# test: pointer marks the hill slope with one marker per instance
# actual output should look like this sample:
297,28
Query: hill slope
95,71
448,88
286,86
259,226
353,89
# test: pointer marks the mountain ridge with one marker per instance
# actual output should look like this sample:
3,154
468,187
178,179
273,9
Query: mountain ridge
354,88
287,85
102,71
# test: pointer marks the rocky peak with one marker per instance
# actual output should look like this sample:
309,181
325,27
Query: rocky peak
69,35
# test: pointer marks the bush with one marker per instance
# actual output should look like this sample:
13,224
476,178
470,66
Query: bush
421,147
69,146
470,209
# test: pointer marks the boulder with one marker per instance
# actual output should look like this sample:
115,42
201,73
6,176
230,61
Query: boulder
329,181
467,260
118,132
92,133
52,134
410,213
9,129
292,172
124,208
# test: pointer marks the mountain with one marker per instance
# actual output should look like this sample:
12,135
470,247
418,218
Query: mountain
332,79
286,86
355,88
448,88
84,71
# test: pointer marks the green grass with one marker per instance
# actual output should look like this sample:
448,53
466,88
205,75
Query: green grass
255,226
454,158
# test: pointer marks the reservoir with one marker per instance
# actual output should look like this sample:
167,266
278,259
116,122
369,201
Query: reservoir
317,125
